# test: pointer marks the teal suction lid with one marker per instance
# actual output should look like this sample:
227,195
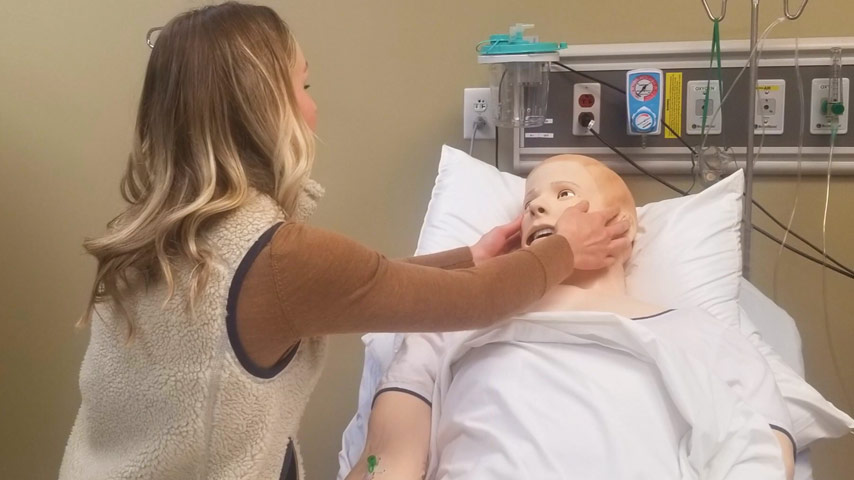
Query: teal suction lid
515,44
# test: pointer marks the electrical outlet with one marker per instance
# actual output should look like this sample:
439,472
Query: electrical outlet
819,124
477,102
586,106
770,107
696,100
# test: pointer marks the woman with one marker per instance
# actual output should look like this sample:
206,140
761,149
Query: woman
212,300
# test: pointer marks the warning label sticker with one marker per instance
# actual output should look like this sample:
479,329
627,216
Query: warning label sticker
673,104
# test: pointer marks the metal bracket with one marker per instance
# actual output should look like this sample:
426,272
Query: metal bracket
713,18
789,14
796,15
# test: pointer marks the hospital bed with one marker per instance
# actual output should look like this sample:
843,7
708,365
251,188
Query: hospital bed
685,255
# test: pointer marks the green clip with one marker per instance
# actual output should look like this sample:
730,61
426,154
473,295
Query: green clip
373,461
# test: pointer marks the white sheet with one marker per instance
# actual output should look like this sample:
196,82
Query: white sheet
502,434
770,320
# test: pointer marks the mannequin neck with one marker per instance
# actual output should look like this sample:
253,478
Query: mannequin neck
605,282
595,291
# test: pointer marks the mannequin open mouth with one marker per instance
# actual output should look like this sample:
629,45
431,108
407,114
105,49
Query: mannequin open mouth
539,233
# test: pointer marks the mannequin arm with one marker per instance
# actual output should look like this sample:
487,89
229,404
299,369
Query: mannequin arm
398,436
788,454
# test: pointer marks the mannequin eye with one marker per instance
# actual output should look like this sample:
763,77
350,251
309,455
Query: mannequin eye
565,194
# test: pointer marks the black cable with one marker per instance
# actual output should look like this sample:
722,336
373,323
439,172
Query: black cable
582,74
496,147
807,256
634,164
618,89
693,172
693,164
794,234
623,92
500,82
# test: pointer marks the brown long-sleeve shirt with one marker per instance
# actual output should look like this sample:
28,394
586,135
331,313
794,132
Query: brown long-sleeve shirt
308,282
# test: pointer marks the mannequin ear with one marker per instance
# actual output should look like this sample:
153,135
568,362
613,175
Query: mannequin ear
633,224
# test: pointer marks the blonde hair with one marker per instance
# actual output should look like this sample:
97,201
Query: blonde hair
218,114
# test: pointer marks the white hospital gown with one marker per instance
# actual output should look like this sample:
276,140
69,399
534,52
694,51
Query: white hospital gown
552,407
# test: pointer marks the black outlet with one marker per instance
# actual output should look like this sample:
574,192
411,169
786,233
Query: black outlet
584,118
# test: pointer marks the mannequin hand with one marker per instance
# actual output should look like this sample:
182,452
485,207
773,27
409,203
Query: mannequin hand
596,238
498,241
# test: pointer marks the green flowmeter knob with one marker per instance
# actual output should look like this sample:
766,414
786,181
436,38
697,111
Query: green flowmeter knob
835,108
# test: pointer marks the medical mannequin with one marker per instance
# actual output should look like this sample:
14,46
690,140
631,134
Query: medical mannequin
400,424
561,182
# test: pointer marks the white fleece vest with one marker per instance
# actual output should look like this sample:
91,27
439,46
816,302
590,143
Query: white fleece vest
176,403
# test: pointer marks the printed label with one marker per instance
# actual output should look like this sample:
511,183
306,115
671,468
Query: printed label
539,135
673,104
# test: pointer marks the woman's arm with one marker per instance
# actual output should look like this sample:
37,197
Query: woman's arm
447,260
325,283
308,282
500,240
398,438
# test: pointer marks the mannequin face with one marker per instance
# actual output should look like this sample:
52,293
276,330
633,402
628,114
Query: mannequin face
563,181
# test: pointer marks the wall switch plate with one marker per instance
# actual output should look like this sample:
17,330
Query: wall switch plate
586,106
478,103
770,107
819,124
695,100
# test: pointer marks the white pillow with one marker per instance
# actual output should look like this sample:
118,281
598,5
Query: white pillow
469,198
687,252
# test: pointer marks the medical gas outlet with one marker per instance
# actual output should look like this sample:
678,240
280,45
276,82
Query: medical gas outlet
696,104
644,100
770,107
823,112
586,105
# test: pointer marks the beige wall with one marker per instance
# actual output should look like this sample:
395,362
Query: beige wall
388,76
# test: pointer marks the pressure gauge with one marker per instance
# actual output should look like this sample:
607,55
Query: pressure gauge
644,87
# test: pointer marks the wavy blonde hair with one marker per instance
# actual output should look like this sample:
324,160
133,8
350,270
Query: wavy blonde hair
218,114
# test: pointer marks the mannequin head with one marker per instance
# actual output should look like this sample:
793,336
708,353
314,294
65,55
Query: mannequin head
564,180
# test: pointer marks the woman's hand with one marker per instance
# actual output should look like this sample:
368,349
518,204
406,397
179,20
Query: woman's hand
498,241
596,238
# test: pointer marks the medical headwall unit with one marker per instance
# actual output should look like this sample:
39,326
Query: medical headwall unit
700,134
573,99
